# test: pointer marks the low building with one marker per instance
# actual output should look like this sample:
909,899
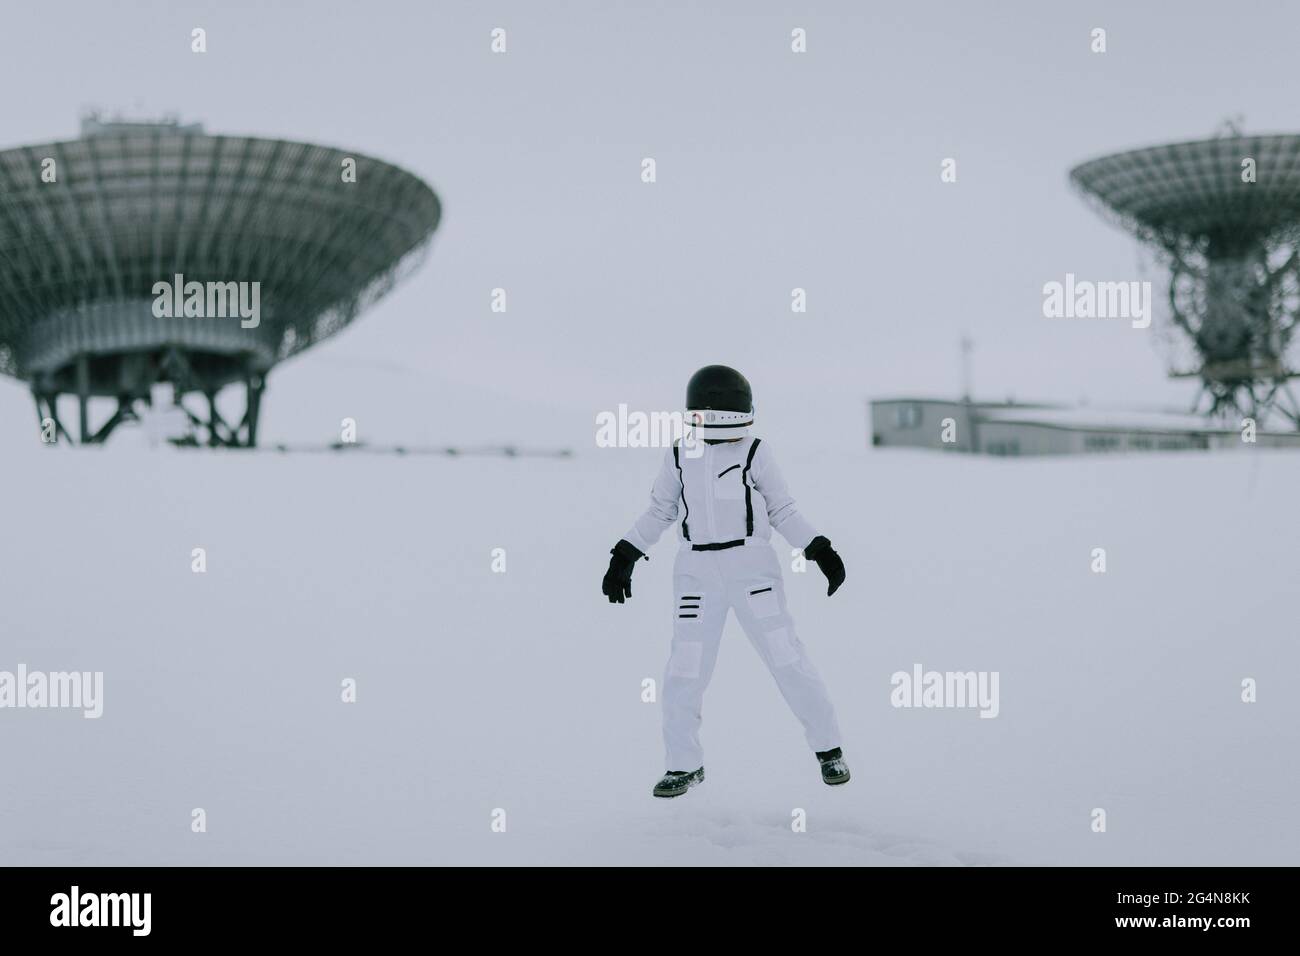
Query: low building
1014,428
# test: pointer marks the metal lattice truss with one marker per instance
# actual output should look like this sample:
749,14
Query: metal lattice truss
1232,249
135,204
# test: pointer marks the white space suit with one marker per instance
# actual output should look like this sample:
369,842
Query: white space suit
729,497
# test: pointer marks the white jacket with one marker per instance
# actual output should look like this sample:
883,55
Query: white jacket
733,491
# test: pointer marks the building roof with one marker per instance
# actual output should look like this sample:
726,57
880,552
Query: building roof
1104,419
975,403
1079,418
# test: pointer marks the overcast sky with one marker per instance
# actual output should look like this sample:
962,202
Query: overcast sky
775,171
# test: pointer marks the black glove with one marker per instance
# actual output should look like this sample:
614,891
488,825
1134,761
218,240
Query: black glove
617,585
820,550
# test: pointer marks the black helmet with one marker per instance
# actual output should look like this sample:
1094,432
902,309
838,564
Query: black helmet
719,388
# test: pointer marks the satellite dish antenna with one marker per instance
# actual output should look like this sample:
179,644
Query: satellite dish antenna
146,204
1231,244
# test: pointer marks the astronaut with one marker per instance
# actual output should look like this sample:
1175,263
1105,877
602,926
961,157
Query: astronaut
729,494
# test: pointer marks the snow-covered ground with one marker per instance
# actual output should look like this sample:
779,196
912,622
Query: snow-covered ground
522,691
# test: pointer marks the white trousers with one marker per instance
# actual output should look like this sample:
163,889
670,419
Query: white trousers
747,580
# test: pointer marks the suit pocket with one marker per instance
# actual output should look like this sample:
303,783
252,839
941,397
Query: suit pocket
728,485
764,603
